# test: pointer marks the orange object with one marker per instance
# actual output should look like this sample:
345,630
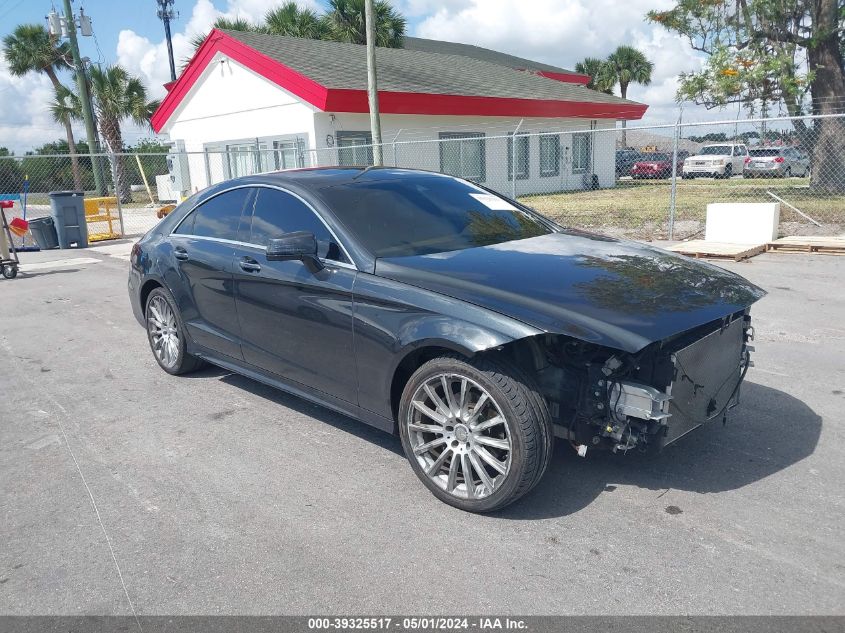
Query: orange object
19,226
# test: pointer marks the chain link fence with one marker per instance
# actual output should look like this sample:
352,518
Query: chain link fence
641,182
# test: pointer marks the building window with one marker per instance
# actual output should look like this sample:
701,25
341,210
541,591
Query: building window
462,154
245,159
581,146
354,148
521,156
287,154
549,155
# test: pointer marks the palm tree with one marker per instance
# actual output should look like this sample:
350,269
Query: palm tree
627,65
238,24
31,48
289,19
345,22
599,73
118,96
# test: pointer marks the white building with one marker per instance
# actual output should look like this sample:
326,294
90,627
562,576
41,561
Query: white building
251,102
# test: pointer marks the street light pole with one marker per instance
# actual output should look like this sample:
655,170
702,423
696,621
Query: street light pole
84,97
372,82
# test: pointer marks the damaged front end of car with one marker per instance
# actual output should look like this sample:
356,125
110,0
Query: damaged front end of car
601,398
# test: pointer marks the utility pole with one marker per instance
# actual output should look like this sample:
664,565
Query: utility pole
372,82
84,97
165,14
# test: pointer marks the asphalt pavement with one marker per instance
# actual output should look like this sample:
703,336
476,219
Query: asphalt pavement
125,489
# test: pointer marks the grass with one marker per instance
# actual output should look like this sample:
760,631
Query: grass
640,208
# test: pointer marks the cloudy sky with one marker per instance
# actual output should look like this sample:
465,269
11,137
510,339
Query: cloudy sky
558,32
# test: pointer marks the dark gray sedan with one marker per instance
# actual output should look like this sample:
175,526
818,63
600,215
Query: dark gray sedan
431,307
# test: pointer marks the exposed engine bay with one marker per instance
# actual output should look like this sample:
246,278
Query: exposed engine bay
601,398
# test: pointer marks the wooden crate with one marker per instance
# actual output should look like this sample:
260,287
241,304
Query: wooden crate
808,244
702,249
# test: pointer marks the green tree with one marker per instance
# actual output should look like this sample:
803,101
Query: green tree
289,19
624,66
238,24
346,23
771,51
598,71
31,48
118,96
343,22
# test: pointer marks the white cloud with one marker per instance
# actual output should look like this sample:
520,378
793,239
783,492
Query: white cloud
26,121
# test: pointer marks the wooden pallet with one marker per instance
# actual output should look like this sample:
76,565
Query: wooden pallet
702,249
810,244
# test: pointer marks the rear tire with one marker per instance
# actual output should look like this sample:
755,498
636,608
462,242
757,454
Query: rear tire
166,334
492,423
729,171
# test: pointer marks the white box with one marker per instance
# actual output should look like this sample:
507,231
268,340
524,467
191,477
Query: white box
742,223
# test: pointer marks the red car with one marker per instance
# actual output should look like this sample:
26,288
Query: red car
657,165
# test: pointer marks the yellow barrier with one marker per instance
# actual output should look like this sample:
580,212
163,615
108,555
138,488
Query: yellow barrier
101,210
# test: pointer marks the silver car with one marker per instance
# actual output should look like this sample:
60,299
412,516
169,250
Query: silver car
776,162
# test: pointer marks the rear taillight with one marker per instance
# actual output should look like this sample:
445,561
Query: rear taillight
747,160
779,159
136,252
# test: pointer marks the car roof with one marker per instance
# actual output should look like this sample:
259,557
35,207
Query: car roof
319,177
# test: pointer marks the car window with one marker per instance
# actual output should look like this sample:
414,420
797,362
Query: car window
276,213
217,217
397,215
769,151
716,150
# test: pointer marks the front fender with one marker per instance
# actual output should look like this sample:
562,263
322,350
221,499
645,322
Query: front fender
392,320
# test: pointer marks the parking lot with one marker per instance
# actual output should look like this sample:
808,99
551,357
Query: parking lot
127,489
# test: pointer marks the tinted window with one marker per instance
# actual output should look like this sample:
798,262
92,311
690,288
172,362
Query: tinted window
218,217
276,213
396,215
656,157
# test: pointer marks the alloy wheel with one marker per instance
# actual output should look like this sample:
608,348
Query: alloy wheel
459,436
164,333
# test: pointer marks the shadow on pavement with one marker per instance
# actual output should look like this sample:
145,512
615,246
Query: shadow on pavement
768,432
300,405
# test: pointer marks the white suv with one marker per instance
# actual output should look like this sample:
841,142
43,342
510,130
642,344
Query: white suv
721,160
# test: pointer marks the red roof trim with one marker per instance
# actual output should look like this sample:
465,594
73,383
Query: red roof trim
292,81
344,100
462,105
570,78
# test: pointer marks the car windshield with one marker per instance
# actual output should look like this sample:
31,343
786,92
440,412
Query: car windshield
765,152
716,150
396,214
655,157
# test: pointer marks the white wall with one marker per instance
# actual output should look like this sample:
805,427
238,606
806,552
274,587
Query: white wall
417,145
228,104
231,104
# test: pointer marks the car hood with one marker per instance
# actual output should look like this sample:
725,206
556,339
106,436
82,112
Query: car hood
610,292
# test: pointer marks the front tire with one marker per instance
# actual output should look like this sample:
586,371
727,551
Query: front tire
476,432
166,334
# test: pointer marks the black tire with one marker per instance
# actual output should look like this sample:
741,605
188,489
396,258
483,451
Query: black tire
526,415
787,173
729,171
184,362
10,272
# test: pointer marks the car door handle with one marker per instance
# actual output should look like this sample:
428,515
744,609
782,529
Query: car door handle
180,253
249,265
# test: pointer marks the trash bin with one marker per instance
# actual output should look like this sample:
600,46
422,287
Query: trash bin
44,232
68,213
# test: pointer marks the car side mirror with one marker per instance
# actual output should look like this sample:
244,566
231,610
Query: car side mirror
300,245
